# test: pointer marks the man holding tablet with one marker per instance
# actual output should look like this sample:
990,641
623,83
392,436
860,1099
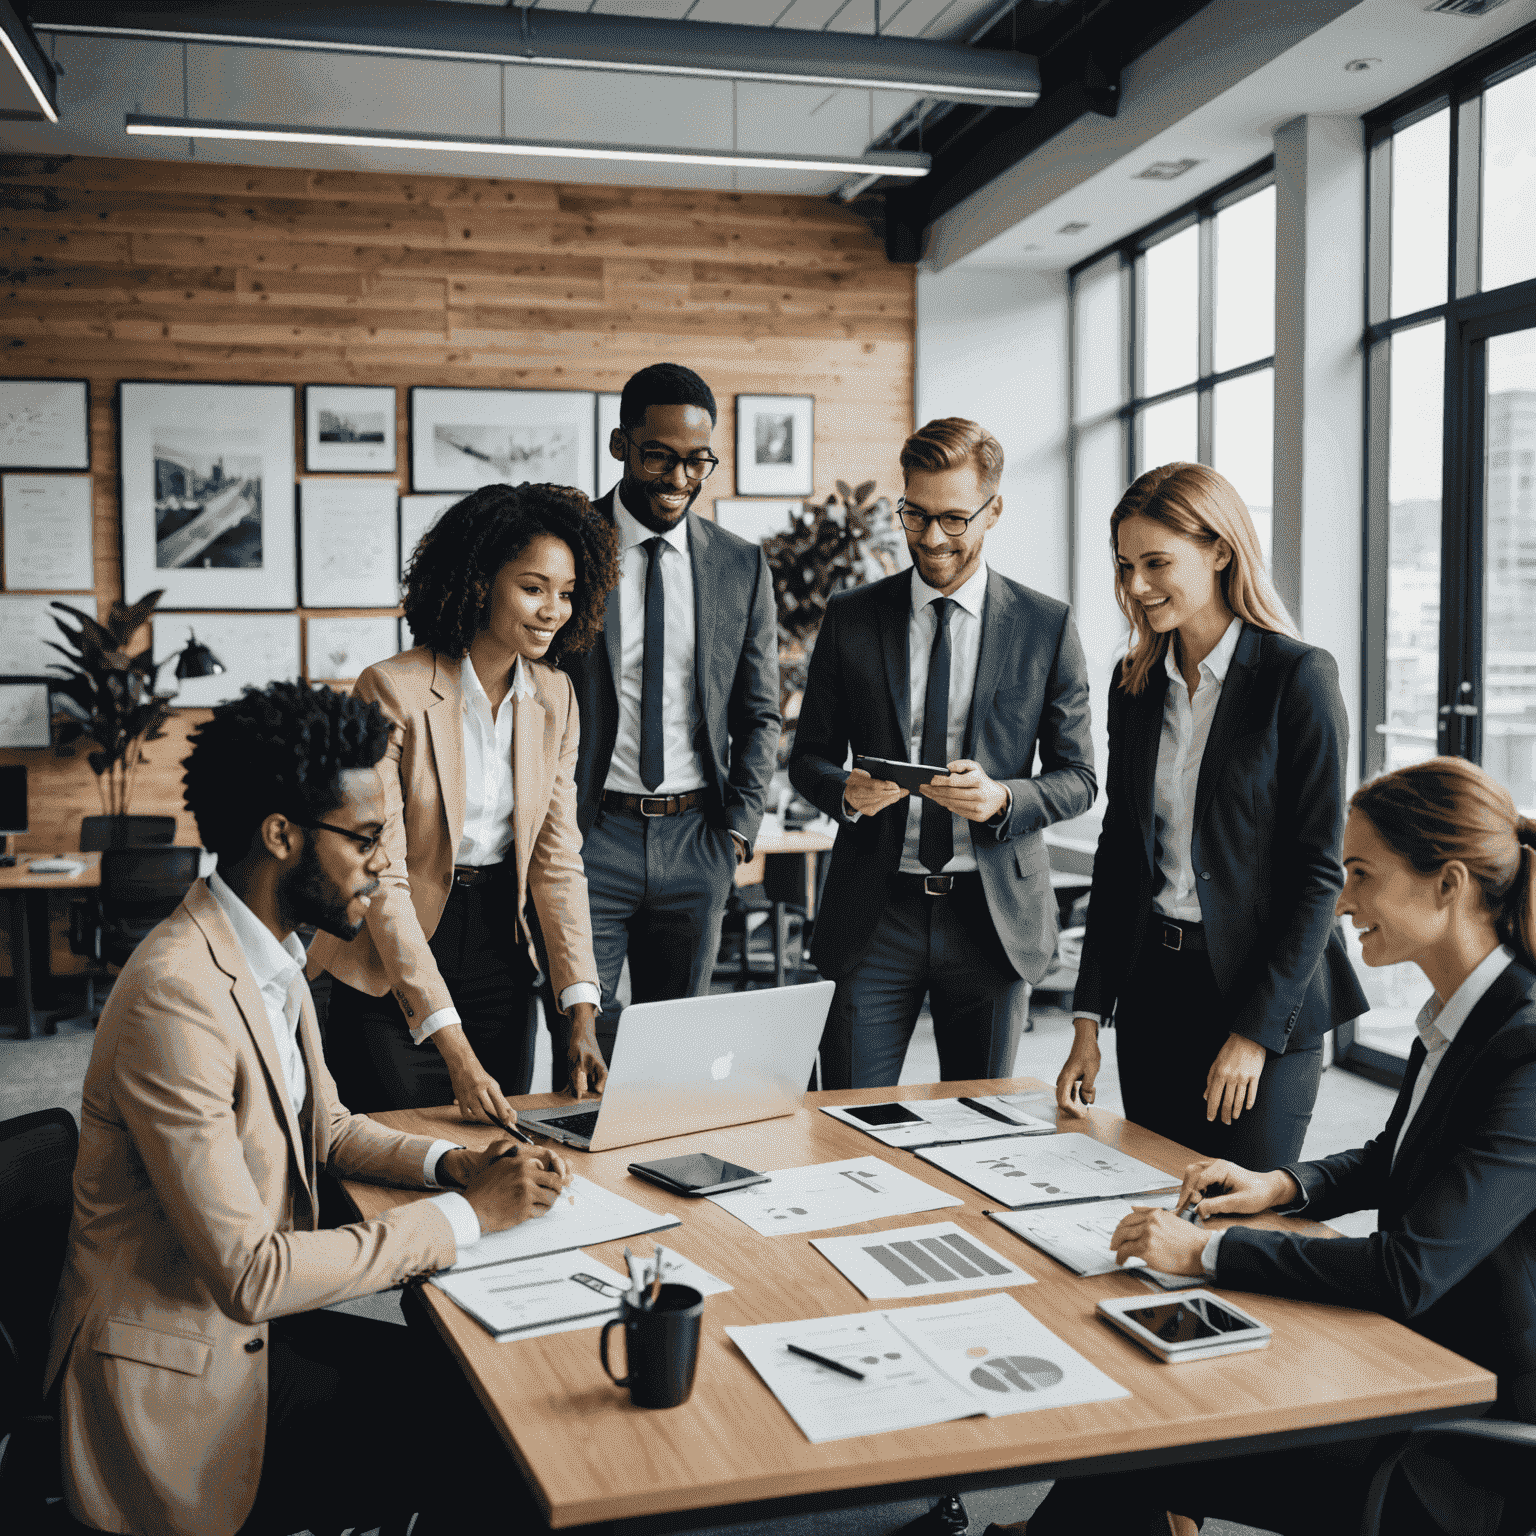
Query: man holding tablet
940,883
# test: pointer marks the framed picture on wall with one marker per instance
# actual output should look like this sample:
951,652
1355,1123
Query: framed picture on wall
775,443
26,712
609,469
349,556
336,650
253,648
45,424
417,514
28,631
47,521
207,480
349,429
756,520
462,439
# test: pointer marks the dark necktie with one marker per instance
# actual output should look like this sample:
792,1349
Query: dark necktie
653,768
936,835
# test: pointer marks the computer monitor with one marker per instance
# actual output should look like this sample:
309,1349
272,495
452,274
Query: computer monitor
13,803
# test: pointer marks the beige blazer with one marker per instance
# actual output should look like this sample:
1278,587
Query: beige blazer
423,776
194,1225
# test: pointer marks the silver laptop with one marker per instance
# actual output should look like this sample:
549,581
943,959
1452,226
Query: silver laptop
697,1063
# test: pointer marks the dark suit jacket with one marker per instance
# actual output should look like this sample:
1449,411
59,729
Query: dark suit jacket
736,681
1031,690
1269,816
1455,1254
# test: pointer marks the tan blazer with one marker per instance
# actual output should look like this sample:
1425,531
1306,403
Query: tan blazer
423,776
194,1225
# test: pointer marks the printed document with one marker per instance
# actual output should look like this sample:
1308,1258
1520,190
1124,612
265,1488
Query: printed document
1078,1236
936,1260
529,1298
927,1122
1048,1170
831,1195
584,1213
922,1365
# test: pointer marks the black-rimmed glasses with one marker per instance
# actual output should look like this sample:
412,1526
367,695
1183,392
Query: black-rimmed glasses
952,523
366,841
660,462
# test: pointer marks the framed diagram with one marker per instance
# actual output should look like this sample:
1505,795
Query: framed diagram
47,521
349,429
756,520
775,445
253,648
28,631
417,514
26,712
207,482
336,650
45,424
348,544
462,439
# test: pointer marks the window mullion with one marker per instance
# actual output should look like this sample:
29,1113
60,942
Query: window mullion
1206,350
1467,197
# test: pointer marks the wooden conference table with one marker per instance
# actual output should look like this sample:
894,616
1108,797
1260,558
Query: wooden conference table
26,896
731,1451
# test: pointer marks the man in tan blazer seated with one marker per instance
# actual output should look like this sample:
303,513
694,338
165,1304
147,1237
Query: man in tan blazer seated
200,1391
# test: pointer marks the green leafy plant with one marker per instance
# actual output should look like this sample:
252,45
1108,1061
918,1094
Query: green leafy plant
107,695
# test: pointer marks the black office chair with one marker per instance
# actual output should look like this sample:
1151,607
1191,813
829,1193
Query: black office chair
1507,1448
781,898
99,833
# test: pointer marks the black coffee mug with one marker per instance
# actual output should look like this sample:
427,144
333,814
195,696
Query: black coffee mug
661,1345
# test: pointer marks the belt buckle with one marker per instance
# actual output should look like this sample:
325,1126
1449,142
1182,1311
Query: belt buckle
650,800
938,885
1177,932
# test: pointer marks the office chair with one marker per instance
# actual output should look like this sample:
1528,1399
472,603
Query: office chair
98,833
1506,1444
781,897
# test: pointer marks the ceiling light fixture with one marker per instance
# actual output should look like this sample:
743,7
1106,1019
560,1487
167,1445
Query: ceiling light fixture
881,163
31,64
1166,170
1359,66
1076,227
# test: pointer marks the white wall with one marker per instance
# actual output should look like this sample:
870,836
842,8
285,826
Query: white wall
992,346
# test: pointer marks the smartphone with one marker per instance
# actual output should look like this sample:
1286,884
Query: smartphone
894,771
697,1174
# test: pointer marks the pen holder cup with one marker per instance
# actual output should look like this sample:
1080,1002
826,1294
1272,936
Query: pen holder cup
661,1347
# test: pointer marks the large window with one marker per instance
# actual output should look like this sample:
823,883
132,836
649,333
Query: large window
1450,601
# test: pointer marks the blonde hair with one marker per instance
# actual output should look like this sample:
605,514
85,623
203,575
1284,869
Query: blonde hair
952,442
1196,503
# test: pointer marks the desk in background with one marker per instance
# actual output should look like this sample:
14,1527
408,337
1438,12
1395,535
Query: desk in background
26,896
732,1452
785,844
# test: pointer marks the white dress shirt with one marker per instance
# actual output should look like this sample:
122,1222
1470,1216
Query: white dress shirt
488,806
278,971
1186,729
679,713
1438,1025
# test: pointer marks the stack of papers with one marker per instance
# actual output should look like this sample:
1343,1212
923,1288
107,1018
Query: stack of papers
1078,1236
927,1122
920,1365
1048,1170
831,1195
936,1260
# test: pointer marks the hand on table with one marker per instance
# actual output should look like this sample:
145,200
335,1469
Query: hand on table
514,1182
1235,1191
1074,1083
968,791
865,795
1232,1084
588,1070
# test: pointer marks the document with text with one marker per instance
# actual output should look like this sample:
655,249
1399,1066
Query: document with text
831,1195
928,1122
529,1298
1048,1170
1078,1236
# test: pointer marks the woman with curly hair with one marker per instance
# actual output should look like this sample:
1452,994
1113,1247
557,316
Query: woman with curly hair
435,994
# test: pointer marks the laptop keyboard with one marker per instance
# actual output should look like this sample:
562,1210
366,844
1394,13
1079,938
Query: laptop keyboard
575,1125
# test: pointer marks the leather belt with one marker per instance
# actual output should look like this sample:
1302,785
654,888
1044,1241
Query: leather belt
471,875
651,805
935,885
1185,938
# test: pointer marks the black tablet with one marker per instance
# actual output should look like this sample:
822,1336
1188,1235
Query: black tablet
697,1174
908,775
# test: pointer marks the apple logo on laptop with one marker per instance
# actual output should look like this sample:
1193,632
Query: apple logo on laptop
720,1067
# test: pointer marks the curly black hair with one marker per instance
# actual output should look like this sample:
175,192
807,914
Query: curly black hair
281,748
448,584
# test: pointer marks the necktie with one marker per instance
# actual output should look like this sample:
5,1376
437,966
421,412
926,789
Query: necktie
652,758
936,836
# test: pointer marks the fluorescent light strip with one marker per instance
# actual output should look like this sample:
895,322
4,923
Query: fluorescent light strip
1024,96
268,133
26,74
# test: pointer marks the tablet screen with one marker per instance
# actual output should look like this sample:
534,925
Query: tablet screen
1187,1319
882,1114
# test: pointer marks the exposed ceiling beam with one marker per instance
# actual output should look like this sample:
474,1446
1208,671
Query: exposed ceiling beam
20,47
572,40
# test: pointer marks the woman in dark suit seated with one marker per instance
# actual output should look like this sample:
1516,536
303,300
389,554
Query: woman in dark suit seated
1211,936
1440,870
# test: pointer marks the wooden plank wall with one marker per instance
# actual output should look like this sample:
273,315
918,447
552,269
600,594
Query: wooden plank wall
139,269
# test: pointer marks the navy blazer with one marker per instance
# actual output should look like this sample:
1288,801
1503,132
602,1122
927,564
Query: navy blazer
736,681
1031,691
1454,1256
1268,821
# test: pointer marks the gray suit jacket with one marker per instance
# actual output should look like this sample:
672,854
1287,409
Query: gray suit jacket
1031,693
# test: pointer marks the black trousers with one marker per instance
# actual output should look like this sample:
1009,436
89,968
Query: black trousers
1169,1025
944,948
491,979
368,1422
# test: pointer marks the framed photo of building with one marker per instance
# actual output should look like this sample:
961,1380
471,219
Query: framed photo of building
253,648
775,445
45,424
462,439
207,493
349,429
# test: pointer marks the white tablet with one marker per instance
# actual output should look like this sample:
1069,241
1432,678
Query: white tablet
1192,1326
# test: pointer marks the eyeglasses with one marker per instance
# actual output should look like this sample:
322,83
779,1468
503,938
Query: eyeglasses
366,842
952,523
660,462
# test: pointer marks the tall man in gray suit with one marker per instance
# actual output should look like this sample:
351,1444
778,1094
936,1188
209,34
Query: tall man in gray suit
679,707
948,894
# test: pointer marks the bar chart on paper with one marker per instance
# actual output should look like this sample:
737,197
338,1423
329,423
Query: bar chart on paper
932,1260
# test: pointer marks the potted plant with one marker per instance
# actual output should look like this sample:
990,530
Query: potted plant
108,695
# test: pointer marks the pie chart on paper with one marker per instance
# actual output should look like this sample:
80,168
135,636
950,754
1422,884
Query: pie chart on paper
1016,1373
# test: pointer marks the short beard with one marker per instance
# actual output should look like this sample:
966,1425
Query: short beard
306,894
638,504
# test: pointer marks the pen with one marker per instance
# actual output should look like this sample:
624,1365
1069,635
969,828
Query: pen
831,1365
